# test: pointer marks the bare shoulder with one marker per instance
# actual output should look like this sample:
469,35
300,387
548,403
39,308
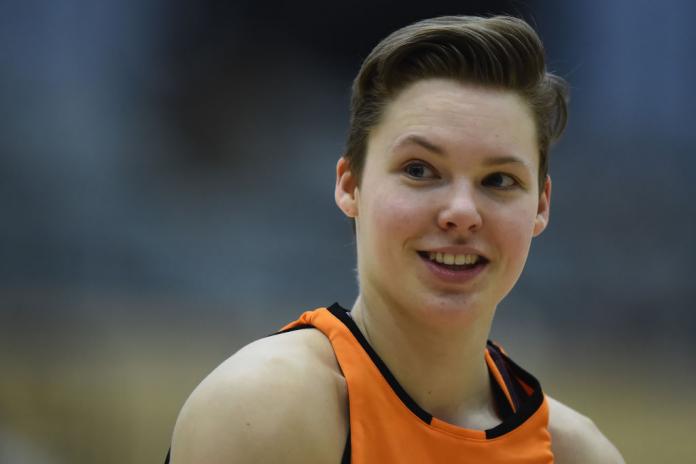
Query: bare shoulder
575,439
279,399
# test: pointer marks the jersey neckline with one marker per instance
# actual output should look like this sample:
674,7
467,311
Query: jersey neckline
524,390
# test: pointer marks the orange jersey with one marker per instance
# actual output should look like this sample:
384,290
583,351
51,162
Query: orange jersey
387,426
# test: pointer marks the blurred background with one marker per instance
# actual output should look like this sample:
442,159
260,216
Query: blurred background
166,178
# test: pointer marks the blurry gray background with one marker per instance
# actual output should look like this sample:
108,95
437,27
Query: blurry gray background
166,176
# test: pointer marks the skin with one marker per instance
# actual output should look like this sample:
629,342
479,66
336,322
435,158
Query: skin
461,203
451,167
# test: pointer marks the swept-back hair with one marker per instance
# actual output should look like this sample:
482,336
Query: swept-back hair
500,52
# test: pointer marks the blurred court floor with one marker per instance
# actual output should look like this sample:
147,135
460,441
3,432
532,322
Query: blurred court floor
112,395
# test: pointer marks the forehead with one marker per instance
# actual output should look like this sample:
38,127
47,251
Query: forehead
460,117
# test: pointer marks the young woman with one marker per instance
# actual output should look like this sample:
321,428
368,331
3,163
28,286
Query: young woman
445,176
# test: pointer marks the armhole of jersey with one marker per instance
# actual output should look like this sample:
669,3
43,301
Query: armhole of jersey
291,329
346,451
345,459
297,327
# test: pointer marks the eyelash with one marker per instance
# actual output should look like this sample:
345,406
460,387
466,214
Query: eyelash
486,181
515,182
425,166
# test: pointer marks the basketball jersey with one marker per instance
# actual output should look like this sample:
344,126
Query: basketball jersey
387,426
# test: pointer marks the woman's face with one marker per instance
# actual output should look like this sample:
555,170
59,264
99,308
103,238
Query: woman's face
448,202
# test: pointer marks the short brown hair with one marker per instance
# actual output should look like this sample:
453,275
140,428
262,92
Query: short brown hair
497,52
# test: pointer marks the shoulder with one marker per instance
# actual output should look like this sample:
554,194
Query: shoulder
576,439
279,399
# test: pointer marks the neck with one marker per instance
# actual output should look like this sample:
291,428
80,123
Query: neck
442,369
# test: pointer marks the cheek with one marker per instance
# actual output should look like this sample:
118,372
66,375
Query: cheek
394,216
391,213
515,232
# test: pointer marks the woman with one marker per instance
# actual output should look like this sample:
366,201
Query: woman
446,178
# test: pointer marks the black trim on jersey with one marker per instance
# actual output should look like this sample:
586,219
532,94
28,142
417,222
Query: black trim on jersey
502,405
346,451
343,316
292,329
525,408
345,459
513,387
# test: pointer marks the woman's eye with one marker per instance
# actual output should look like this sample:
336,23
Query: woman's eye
419,171
500,180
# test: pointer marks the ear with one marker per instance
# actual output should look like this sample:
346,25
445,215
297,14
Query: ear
346,189
543,209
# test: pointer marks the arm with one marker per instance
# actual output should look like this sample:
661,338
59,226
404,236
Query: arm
274,401
575,439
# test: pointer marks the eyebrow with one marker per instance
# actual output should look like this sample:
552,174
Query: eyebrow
499,160
428,145
418,140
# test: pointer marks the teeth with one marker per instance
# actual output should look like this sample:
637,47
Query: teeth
448,258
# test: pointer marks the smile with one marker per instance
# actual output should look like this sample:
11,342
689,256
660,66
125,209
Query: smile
449,258
454,267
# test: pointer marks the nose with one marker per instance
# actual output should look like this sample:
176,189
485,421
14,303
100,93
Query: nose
460,211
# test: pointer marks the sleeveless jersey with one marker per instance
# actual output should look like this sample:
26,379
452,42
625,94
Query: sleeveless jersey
387,426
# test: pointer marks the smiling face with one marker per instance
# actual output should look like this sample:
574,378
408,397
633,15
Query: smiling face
448,201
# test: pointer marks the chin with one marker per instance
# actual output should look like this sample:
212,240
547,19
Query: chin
452,311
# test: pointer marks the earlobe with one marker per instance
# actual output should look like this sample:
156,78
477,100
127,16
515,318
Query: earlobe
346,189
543,208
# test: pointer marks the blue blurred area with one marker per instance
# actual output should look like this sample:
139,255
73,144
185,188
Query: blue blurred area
171,164
187,150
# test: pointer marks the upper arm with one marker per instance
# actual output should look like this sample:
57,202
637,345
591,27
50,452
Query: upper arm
575,439
262,405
